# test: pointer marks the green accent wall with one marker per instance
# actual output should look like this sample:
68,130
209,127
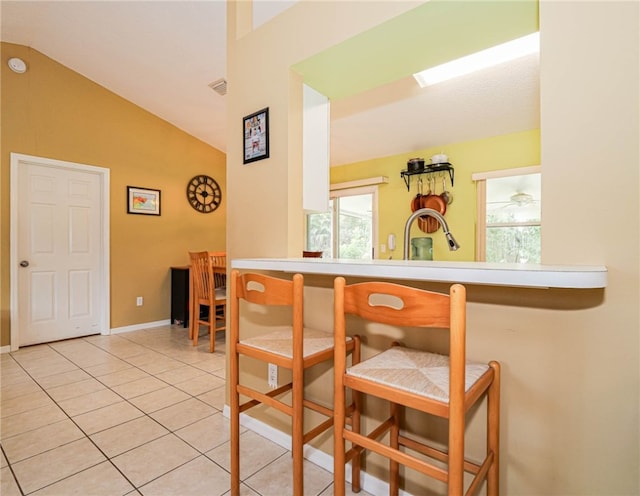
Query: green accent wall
433,33
394,201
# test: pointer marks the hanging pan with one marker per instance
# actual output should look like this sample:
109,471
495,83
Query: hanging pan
435,202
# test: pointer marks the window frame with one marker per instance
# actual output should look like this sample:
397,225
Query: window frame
480,179
339,191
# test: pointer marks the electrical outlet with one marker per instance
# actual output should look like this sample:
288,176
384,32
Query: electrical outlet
273,376
139,301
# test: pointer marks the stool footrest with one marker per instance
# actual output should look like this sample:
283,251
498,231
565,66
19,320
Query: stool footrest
265,398
316,431
436,454
480,475
316,407
397,456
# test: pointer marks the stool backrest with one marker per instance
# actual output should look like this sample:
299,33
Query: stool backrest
266,290
394,304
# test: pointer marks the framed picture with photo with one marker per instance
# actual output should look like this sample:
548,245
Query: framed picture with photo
255,129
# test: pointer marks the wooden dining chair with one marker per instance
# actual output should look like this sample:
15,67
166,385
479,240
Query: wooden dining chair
208,273
292,347
442,386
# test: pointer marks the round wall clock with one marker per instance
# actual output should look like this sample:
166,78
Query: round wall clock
204,194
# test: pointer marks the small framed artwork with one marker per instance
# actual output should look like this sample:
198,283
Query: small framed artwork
143,201
255,128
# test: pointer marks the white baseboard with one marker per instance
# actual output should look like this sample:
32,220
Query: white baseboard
115,330
370,484
138,327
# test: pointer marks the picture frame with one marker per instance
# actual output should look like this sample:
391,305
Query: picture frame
143,201
255,136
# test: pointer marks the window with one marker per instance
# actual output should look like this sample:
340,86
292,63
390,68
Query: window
348,230
509,216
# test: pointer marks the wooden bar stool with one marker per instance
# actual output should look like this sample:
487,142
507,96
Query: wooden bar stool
291,346
444,386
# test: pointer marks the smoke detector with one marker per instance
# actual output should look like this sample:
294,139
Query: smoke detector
219,86
17,65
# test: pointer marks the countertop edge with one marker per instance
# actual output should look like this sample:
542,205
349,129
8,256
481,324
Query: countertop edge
512,275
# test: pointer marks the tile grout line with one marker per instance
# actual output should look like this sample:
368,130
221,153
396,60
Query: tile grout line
171,431
87,436
15,478
149,416
205,373
201,453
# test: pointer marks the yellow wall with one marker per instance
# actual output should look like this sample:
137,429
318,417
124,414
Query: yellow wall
51,111
571,358
500,152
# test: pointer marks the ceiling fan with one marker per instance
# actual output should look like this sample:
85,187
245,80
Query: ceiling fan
521,199
516,201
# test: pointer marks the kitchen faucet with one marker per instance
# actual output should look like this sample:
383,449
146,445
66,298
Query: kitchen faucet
453,245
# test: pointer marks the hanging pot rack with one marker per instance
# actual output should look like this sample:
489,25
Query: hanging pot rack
429,169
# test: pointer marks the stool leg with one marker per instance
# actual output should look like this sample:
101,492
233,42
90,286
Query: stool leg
493,431
456,450
298,429
394,432
235,422
355,419
338,428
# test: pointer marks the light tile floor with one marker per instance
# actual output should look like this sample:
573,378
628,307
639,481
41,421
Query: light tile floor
133,413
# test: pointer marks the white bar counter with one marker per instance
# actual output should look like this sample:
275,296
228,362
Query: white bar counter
492,274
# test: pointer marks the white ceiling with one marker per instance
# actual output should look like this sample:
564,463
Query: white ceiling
492,102
161,55
158,55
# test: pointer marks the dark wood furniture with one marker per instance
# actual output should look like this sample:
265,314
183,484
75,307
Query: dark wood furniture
180,296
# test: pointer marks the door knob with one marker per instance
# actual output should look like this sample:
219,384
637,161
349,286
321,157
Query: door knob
24,263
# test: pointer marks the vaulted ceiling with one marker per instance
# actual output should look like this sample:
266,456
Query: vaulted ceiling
162,55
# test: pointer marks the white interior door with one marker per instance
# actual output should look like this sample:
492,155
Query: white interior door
60,256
